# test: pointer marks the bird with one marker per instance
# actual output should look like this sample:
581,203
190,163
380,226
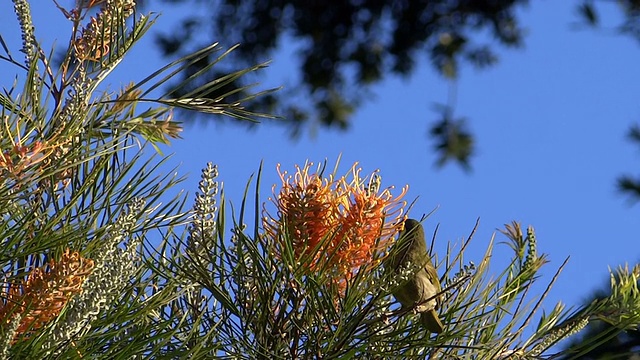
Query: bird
411,248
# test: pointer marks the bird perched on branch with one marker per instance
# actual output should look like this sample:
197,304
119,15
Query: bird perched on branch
411,250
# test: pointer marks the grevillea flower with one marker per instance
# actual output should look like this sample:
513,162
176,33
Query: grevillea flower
98,35
45,292
29,159
14,161
337,225
369,220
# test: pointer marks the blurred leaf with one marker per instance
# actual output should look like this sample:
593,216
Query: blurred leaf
588,13
630,186
343,49
452,140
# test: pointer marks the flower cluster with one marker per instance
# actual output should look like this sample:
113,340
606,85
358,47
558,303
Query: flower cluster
20,157
45,292
97,36
202,229
28,159
29,43
339,225
111,275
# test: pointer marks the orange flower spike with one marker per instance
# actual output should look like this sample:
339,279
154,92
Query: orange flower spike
353,216
365,230
20,157
5,161
47,289
306,209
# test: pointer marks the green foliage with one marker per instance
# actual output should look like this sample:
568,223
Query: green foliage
75,174
270,306
149,278
613,333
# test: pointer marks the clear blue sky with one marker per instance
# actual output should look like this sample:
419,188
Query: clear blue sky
550,122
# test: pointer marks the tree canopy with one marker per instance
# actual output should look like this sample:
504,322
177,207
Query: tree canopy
347,46
103,258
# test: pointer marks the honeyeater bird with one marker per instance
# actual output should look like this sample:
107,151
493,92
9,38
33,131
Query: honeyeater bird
411,248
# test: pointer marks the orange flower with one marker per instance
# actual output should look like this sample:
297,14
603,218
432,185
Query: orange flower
98,35
363,228
47,289
338,225
307,210
20,157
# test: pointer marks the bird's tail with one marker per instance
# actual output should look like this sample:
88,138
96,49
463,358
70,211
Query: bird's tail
431,321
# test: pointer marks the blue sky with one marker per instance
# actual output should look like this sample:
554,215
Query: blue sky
550,122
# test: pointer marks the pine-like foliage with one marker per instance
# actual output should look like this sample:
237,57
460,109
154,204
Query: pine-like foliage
102,260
